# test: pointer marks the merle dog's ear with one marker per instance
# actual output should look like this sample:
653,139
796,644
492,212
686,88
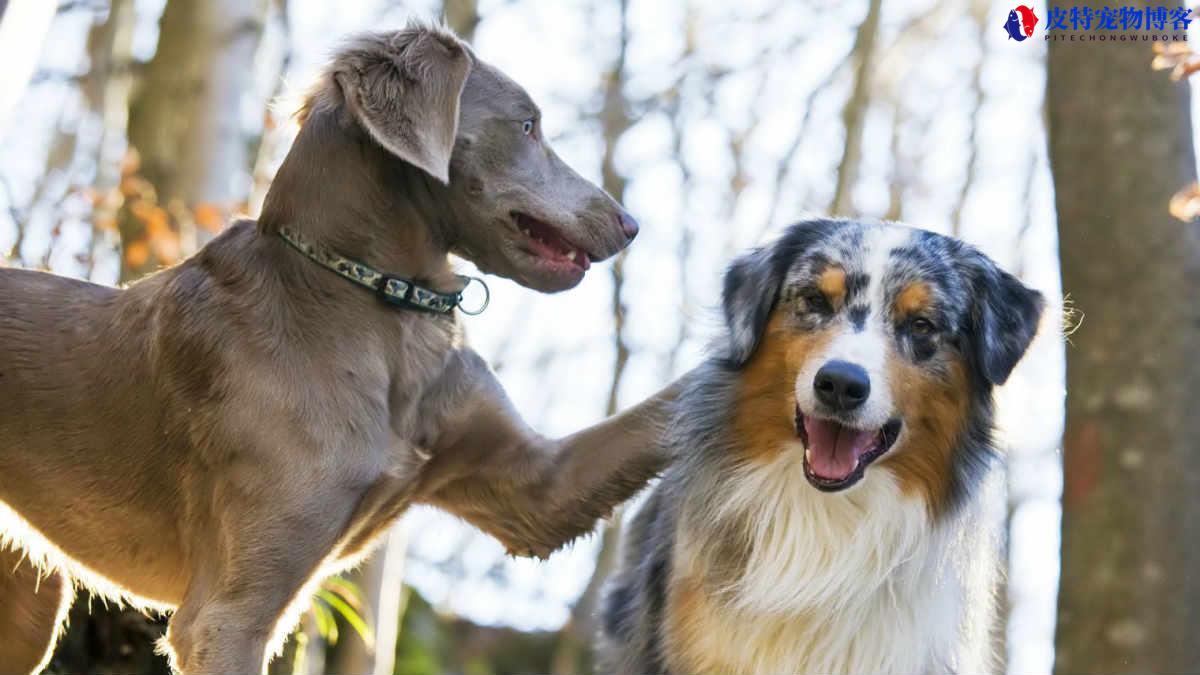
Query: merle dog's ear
408,99
1005,320
750,292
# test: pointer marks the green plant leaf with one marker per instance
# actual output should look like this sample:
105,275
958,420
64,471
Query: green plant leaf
326,623
348,590
351,616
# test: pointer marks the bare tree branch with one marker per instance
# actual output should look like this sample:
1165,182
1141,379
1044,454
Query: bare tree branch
462,16
783,169
979,16
899,177
18,219
855,110
614,122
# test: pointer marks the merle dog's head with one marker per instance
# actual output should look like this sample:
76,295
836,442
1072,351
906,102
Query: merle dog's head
501,197
880,342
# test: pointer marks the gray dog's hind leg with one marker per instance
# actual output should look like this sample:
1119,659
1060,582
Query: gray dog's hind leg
31,611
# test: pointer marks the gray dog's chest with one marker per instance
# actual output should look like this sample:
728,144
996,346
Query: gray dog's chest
357,402
417,386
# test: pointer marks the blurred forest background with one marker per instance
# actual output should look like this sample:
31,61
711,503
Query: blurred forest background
131,130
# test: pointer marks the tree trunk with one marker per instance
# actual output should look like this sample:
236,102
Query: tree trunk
184,123
854,113
1120,146
106,91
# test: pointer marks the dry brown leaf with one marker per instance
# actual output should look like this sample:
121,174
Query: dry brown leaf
136,254
131,162
1178,57
155,219
1185,204
107,223
166,249
133,185
209,217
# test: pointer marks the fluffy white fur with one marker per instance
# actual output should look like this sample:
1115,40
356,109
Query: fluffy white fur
854,582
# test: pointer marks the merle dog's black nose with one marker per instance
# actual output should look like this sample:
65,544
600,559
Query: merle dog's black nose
628,225
842,386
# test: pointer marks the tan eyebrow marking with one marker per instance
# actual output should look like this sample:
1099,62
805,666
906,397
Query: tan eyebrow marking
913,298
832,282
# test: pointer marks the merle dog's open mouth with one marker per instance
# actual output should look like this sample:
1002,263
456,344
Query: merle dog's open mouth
543,241
836,455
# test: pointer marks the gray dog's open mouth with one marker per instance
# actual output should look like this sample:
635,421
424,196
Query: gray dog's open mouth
545,242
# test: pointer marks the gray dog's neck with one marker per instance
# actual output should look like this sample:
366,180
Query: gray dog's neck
342,191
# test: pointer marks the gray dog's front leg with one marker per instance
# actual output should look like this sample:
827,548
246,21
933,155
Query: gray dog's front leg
532,493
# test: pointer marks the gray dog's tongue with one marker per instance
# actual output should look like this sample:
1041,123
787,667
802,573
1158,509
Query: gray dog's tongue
834,450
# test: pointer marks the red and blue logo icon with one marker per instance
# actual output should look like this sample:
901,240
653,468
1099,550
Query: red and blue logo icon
1020,23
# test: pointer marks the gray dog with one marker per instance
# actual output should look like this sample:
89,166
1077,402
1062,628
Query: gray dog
219,436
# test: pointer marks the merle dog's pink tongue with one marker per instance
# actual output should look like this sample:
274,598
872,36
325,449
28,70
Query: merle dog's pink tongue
834,449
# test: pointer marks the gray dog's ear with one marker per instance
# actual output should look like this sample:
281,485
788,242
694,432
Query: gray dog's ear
408,100
751,289
1005,319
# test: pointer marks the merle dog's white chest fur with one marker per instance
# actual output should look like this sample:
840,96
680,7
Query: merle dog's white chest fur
861,581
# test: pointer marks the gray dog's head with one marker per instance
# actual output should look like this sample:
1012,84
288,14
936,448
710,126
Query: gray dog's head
505,201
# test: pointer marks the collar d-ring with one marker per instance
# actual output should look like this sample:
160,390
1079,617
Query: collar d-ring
487,297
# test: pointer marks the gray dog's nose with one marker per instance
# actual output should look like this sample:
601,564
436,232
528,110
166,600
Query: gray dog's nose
628,225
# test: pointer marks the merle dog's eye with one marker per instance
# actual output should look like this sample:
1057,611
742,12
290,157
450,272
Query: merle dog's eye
922,327
527,127
817,302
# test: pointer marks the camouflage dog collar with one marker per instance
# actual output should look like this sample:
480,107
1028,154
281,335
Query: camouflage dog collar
391,289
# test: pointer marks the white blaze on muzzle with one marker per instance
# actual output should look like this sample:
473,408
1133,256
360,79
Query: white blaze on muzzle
868,349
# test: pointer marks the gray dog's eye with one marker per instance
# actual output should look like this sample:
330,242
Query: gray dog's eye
527,127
